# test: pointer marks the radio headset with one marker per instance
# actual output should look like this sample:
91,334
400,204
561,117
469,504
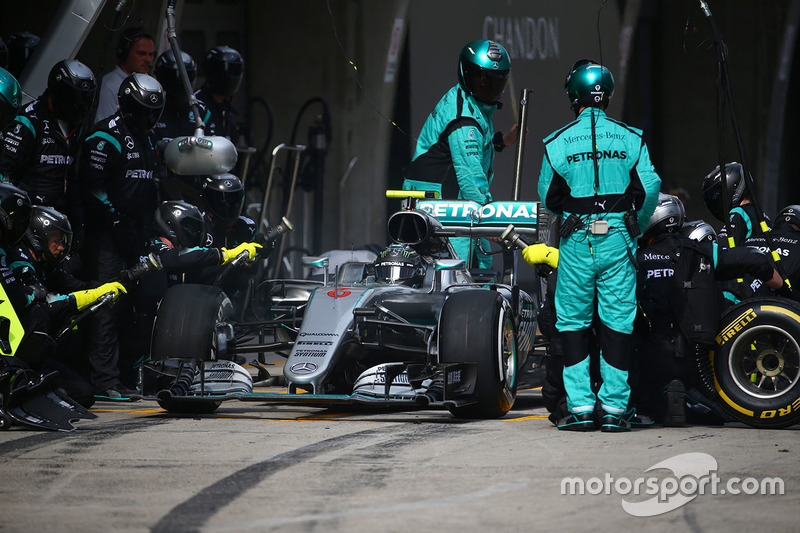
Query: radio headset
127,40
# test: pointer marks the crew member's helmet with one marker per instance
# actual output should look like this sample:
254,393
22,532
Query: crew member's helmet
223,195
10,98
589,84
224,69
788,215
180,222
15,213
49,234
400,264
668,216
169,76
713,189
141,100
72,88
483,70
699,230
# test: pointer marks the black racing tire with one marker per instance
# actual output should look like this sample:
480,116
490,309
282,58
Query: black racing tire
5,422
185,323
477,326
189,407
756,362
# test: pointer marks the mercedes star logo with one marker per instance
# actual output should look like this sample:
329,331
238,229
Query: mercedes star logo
305,367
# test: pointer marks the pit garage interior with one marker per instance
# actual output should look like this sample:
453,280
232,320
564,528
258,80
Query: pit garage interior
356,79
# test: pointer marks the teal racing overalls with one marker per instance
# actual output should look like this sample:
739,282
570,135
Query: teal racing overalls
456,141
595,268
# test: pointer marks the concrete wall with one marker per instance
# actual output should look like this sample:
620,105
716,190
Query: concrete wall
338,50
302,50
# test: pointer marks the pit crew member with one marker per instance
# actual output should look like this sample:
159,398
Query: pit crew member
597,174
455,149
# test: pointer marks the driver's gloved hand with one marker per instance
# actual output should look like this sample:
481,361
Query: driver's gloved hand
250,247
84,299
541,253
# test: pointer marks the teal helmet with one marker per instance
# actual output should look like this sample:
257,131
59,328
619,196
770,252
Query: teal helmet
589,84
483,70
10,98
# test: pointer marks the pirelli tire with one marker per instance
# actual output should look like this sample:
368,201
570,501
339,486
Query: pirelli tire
185,325
185,329
756,361
477,326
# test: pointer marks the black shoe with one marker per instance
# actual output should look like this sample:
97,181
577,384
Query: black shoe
576,422
614,423
637,419
118,393
675,414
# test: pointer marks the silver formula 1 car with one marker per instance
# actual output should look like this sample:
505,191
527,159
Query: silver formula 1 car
413,329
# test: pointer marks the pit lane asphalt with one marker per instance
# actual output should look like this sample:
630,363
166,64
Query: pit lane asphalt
256,467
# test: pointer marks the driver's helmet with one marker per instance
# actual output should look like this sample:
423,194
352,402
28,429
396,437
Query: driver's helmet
699,230
141,100
788,215
589,84
169,76
223,195
713,189
483,70
10,98
224,70
180,222
72,87
49,234
15,213
668,216
399,264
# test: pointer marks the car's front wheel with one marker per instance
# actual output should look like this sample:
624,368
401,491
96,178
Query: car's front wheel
476,326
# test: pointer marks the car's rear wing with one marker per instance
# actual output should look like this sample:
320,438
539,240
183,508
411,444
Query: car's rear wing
468,218
426,220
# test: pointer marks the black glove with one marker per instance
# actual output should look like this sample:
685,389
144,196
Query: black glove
788,292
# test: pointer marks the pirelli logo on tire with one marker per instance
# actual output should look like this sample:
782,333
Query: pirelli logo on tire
784,411
729,331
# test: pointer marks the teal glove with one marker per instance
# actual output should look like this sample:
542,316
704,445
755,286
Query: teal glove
84,299
250,247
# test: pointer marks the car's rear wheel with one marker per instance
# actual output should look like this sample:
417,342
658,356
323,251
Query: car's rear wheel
476,326
757,362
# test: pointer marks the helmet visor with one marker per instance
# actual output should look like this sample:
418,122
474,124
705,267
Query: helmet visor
73,105
714,201
142,119
225,206
492,85
15,216
193,231
394,272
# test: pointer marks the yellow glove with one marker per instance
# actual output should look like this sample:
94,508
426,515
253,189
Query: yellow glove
86,298
250,247
541,253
